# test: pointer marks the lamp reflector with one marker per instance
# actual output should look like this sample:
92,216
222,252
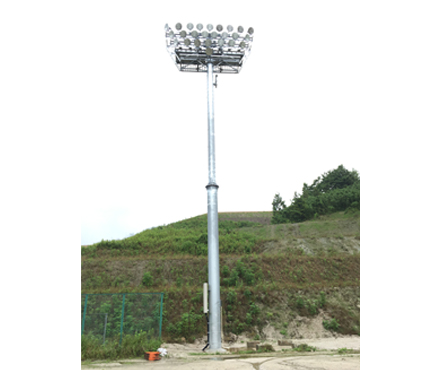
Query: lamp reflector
214,34
230,28
221,42
219,28
231,43
183,33
242,44
235,36
240,29
208,51
187,42
199,26
205,34
190,26
194,33
197,42
224,35
208,42
250,31
178,26
209,27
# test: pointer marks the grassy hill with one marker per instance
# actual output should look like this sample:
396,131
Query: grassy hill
275,279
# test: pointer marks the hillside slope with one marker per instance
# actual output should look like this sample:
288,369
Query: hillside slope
276,280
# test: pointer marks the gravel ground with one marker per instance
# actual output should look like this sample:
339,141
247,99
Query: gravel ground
180,358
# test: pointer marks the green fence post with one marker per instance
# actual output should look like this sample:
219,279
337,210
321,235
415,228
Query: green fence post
160,323
84,315
122,317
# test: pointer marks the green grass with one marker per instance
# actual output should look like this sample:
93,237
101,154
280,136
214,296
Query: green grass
132,346
239,233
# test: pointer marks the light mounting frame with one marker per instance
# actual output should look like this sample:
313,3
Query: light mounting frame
212,47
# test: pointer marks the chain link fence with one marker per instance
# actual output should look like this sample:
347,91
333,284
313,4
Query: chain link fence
112,315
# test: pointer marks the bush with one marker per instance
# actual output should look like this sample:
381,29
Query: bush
231,297
147,279
305,348
331,325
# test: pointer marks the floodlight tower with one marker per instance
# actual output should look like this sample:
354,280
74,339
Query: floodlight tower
203,49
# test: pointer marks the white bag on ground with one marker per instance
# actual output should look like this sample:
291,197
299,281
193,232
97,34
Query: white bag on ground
163,351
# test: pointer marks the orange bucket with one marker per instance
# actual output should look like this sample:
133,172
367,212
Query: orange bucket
152,356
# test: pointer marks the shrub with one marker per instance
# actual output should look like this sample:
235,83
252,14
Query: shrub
322,300
305,348
331,325
147,279
231,297
253,309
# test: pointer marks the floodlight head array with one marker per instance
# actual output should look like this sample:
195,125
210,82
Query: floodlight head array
191,48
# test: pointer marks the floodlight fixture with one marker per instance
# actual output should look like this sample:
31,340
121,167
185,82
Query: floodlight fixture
213,53
190,59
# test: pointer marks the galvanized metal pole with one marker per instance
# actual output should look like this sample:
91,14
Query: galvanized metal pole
215,341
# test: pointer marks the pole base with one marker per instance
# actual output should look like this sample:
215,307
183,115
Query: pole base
220,350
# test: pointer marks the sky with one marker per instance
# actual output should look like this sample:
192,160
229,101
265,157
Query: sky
101,121
293,112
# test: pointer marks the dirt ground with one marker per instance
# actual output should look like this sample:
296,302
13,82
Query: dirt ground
182,357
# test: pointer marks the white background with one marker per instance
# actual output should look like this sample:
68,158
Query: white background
98,125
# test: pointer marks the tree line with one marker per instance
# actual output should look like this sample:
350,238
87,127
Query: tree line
335,190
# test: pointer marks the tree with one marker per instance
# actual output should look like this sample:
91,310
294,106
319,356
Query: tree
278,210
335,190
337,179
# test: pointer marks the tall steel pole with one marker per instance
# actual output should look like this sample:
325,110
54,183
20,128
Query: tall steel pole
196,50
215,341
